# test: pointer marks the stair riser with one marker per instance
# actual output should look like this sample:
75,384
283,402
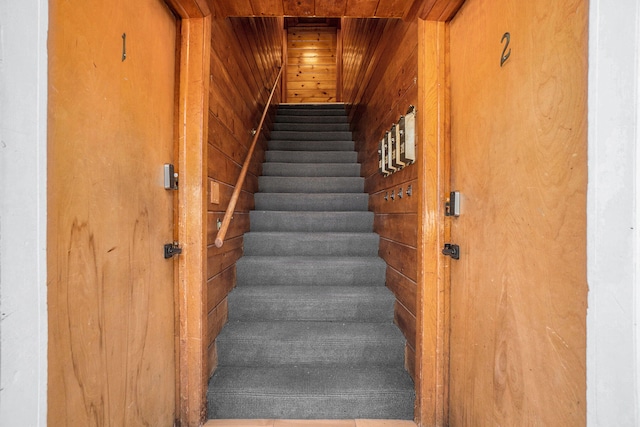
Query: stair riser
311,112
264,271
311,407
277,184
312,156
331,304
311,202
311,169
300,145
310,136
354,222
309,352
284,118
311,127
308,393
316,244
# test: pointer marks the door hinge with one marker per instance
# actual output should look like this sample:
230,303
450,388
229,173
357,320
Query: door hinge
451,250
171,250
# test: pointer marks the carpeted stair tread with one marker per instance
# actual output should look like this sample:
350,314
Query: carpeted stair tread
260,343
311,221
310,184
324,392
286,243
311,127
311,156
283,117
310,145
326,303
293,135
310,271
311,202
311,169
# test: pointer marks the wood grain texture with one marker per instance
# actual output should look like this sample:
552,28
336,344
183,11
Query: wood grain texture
311,64
407,9
245,56
380,83
191,132
110,292
518,153
433,163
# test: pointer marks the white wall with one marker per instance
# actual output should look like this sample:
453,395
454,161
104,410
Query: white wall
613,244
23,141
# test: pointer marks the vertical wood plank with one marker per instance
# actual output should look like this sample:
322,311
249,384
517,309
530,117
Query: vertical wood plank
433,273
192,293
339,65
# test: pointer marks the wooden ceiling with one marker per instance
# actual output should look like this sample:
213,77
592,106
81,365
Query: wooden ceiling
406,9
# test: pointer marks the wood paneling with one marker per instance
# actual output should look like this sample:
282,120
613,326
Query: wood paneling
518,150
246,54
408,9
311,64
379,84
110,291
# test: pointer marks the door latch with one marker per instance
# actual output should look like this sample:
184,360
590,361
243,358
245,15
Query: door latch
451,250
171,250
452,206
170,177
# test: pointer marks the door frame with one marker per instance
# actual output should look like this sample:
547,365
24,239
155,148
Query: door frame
434,228
433,127
192,105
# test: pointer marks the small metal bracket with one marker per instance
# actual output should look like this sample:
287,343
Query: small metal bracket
124,46
170,177
451,250
452,206
409,190
171,250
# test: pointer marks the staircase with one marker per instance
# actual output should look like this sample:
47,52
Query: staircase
310,332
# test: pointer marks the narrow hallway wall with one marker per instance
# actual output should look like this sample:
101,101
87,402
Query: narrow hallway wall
246,54
380,83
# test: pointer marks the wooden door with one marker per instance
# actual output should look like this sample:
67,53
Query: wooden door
111,292
518,157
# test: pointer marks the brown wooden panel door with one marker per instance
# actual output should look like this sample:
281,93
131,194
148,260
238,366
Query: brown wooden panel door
518,152
111,292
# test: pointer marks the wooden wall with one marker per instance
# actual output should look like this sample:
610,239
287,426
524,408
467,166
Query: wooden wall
246,55
380,67
311,64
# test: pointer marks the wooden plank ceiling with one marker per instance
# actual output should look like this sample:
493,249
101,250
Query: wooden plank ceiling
325,8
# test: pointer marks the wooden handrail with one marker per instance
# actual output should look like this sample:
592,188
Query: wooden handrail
222,232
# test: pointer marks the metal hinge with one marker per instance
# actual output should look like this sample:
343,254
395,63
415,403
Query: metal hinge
171,250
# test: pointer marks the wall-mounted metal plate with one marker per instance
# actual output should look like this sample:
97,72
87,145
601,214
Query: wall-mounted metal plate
170,177
409,136
452,207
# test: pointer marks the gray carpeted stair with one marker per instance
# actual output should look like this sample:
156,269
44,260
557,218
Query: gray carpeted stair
310,332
